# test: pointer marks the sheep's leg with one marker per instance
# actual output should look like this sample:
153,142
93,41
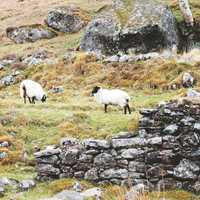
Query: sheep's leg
25,99
33,100
129,110
24,94
105,108
125,109
29,100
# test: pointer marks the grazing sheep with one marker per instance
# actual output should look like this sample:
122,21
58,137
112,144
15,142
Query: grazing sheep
33,91
112,97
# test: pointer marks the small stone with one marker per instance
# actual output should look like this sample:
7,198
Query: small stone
132,153
171,129
114,173
26,184
155,141
4,144
92,193
47,152
99,144
77,187
92,174
105,160
3,155
127,143
197,126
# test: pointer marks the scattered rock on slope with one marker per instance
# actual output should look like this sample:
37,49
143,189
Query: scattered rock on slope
29,33
142,27
67,19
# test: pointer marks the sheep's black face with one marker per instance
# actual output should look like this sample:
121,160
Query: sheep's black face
95,90
44,98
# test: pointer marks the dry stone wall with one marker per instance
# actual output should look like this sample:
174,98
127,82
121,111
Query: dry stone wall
164,154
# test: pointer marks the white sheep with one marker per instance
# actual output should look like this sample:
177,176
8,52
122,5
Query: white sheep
33,91
112,97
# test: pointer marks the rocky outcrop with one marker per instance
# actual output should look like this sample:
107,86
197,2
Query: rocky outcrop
68,19
29,33
140,27
164,154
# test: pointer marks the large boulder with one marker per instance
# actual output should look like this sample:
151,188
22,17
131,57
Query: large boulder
29,33
140,27
67,19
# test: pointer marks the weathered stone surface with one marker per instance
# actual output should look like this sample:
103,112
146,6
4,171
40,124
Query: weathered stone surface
149,27
166,152
48,152
105,160
92,174
68,19
126,143
30,33
90,143
92,193
114,173
66,195
132,153
26,185
186,170
171,129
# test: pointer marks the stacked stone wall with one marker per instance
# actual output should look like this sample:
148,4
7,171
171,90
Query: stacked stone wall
165,153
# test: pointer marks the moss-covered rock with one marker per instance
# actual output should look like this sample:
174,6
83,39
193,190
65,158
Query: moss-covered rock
139,25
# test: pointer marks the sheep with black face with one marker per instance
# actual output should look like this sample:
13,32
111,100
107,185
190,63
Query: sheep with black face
114,97
33,91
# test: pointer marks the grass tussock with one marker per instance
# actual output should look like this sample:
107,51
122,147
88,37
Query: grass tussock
119,193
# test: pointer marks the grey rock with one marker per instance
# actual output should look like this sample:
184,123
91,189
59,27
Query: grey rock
132,153
68,19
48,170
3,155
123,135
92,174
30,33
4,181
114,58
70,157
187,121
155,30
92,193
57,89
114,173
126,143
155,141
186,170
85,158
26,185
124,58
47,152
8,80
68,142
197,126
77,187
66,195
98,144
105,160
171,129
4,144
53,159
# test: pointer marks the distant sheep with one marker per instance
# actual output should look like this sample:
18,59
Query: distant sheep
112,97
33,91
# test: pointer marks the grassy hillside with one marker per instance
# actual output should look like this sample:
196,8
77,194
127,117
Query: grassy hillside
73,113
